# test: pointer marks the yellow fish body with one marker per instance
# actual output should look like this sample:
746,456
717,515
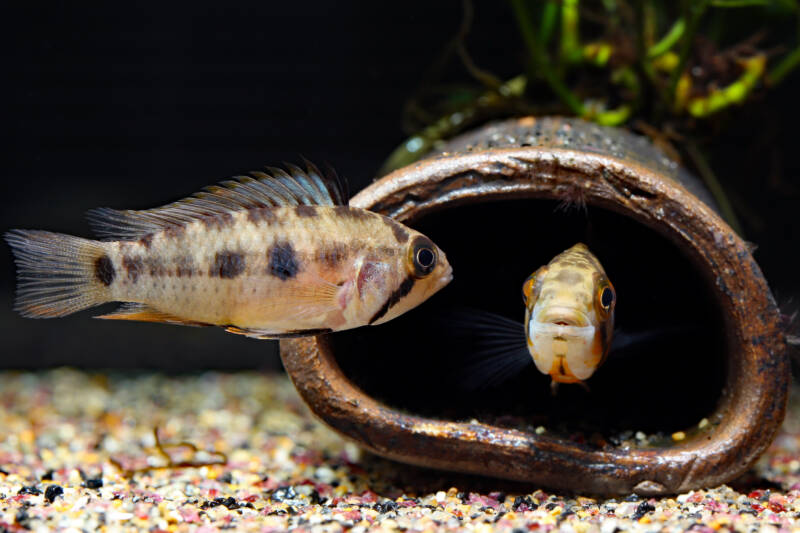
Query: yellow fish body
268,256
569,315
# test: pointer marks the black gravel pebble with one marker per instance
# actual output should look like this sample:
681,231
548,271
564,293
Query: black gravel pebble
385,507
30,489
527,500
284,493
229,502
643,509
52,492
314,498
22,517
93,483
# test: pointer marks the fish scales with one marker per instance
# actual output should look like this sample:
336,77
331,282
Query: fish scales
239,256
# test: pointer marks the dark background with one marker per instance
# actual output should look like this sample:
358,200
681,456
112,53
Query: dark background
132,106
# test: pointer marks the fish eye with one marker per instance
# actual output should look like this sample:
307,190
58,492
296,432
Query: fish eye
532,286
527,288
607,297
423,256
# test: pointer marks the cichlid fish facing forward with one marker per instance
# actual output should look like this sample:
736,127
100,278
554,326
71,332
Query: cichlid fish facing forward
569,315
269,256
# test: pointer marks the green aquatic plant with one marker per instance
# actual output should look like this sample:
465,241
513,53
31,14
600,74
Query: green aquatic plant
661,67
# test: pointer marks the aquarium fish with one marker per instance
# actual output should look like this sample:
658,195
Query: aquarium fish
569,315
278,254
567,332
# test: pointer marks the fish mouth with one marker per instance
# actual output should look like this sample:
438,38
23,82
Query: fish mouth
563,316
447,277
441,282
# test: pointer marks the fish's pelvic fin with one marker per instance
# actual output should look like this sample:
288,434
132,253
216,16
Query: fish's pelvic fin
58,274
267,335
145,313
275,188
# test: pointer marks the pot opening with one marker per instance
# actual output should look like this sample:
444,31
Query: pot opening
667,379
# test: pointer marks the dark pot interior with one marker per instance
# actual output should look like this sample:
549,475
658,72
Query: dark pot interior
668,379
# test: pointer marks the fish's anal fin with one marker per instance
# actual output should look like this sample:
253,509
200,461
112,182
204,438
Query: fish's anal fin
269,335
144,313
275,188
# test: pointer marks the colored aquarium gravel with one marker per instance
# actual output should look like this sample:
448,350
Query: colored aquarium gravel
78,452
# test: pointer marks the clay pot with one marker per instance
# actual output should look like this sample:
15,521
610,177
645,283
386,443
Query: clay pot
694,409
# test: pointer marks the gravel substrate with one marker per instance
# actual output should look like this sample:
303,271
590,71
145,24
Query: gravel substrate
78,452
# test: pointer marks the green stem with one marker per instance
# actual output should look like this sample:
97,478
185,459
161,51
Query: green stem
549,17
540,64
693,12
735,93
787,64
668,41
570,49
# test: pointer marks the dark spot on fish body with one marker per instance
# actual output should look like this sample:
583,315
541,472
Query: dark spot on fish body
133,267
399,231
227,265
385,251
218,221
155,267
104,270
146,241
353,213
282,260
259,215
332,255
175,232
184,267
306,211
397,295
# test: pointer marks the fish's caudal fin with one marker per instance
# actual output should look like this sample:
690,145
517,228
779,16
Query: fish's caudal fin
58,274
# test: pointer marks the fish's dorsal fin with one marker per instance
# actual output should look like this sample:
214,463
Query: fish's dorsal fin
274,188
144,313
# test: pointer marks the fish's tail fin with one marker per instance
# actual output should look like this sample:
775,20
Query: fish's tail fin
58,274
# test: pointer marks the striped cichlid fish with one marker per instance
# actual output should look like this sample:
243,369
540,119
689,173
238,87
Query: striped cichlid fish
569,315
278,254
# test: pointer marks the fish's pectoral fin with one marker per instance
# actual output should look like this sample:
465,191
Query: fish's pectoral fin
271,335
315,296
145,313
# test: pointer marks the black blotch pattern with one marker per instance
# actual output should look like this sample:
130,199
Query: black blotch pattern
283,262
393,298
104,270
399,231
353,212
134,266
227,265
306,211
